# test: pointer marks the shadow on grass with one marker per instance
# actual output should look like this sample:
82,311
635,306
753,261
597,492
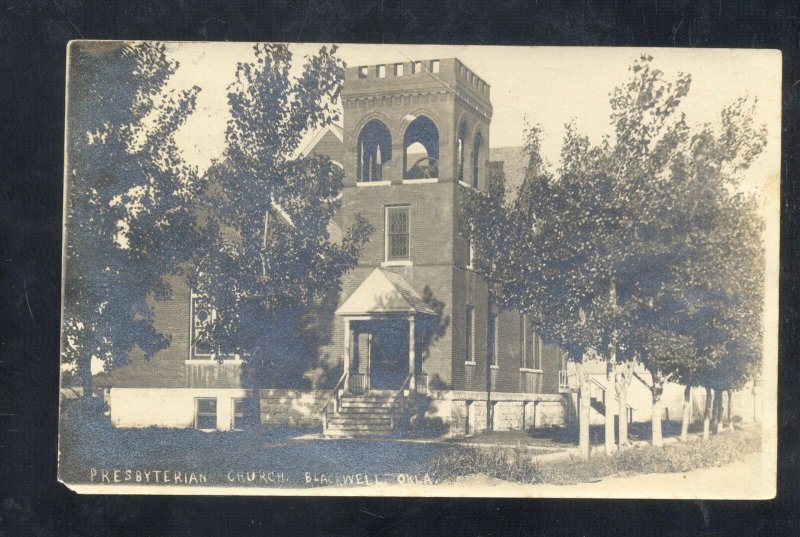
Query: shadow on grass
88,440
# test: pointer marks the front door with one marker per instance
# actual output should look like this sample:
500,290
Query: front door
388,354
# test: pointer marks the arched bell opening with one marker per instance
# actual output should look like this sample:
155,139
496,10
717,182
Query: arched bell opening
421,149
374,150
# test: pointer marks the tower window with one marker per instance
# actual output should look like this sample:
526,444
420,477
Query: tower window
397,233
380,71
416,67
434,66
398,69
363,72
421,149
461,149
374,149
476,159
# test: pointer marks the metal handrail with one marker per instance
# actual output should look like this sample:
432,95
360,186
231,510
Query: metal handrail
400,397
613,395
335,397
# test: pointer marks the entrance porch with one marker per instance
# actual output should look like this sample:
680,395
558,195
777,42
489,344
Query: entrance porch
382,337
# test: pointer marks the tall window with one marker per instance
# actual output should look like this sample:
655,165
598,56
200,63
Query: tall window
398,69
363,72
202,321
434,66
476,159
380,71
469,335
531,346
205,413
493,332
461,148
416,67
397,233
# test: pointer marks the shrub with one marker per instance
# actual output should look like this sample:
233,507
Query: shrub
501,463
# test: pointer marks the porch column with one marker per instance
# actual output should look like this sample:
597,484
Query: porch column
346,354
412,385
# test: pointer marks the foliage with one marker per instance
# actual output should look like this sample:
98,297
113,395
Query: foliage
641,242
128,191
266,254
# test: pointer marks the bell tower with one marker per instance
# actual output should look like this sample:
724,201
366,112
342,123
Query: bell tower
425,120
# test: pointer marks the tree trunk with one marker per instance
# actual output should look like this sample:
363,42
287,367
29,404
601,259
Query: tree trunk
687,412
623,381
84,370
610,433
718,413
584,401
707,413
730,409
583,419
657,438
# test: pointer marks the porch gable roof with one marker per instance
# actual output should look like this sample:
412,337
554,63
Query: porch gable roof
384,292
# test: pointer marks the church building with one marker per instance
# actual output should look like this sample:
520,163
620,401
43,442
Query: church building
413,342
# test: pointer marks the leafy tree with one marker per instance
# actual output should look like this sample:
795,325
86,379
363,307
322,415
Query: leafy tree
626,249
266,253
127,204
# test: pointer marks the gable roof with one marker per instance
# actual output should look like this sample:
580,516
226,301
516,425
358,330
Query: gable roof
335,135
385,292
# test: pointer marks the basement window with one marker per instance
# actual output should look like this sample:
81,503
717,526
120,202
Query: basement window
239,414
205,416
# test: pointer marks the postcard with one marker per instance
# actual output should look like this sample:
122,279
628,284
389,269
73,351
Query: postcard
406,270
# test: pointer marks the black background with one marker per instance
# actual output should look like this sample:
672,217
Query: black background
33,38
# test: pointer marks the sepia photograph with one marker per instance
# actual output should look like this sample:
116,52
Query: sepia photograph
314,269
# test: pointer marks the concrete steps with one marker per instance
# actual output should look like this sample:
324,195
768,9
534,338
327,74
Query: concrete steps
365,415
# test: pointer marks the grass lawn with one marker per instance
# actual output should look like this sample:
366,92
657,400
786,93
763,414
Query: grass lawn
521,466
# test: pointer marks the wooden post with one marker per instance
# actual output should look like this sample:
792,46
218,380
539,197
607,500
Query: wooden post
412,385
346,354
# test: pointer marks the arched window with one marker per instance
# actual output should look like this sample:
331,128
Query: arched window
461,149
476,159
421,149
374,149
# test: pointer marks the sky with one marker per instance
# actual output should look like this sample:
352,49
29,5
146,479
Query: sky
548,86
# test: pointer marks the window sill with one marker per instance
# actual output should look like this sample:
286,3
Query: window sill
422,180
529,370
211,361
373,183
397,264
472,364
466,185
494,367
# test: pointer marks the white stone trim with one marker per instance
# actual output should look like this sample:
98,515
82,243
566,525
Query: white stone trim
372,183
421,180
